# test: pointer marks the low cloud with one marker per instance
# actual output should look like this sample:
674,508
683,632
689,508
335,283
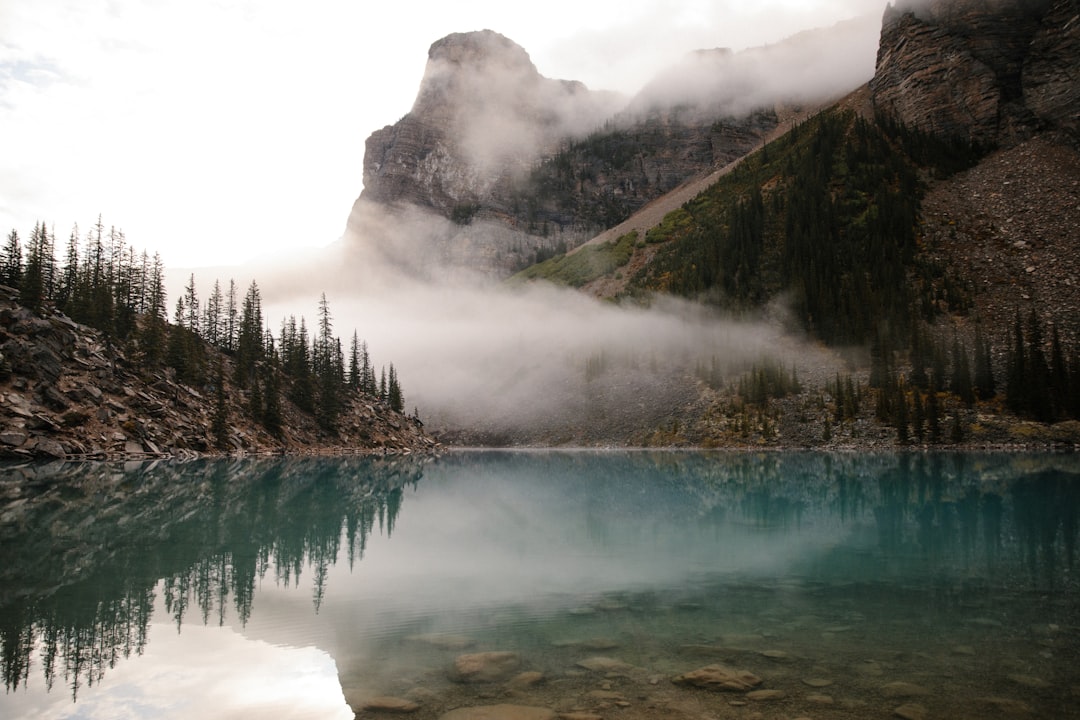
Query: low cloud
484,91
536,363
813,66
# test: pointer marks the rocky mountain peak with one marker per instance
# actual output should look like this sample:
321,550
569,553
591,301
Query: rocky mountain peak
483,113
461,65
480,48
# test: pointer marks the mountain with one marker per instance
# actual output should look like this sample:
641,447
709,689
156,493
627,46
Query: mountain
496,166
930,217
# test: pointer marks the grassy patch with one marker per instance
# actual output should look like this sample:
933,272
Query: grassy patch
587,264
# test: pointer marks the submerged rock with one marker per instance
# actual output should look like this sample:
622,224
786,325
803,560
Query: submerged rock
718,677
500,712
1029,681
485,666
443,642
388,704
526,679
903,690
817,682
600,663
910,711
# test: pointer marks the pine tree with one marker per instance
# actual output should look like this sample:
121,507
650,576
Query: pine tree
152,337
70,277
255,400
901,415
191,304
272,418
961,383
984,373
126,296
303,390
231,315
11,262
1016,381
956,434
1074,384
393,391
918,416
33,278
354,364
933,418
1059,377
249,339
327,369
211,323
367,371
1039,371
219,427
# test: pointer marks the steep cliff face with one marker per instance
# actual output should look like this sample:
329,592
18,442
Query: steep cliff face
483,113
985,72
1052,74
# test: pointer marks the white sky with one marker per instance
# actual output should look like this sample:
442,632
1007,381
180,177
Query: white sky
217,131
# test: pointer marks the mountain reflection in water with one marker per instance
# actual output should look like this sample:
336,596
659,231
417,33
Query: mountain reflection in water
657,551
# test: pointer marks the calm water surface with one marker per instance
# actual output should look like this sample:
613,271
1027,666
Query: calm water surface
919,586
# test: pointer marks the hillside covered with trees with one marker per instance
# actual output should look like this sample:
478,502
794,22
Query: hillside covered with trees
828,221
72,333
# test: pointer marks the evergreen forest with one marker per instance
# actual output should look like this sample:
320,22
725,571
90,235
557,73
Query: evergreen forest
104,283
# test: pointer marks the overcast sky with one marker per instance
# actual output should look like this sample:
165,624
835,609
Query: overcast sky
219,131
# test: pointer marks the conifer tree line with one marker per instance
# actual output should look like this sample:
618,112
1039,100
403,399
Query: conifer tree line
106,284
103,282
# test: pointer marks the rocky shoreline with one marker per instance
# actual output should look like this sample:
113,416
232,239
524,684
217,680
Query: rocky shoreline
67,393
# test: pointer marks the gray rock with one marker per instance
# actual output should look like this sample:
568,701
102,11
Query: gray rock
718,677
386,704
485,666
600,663
1029,681
500,712
443,641
13,438
903,690
911,711
817,682
49,448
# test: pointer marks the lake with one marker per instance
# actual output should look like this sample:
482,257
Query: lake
578,584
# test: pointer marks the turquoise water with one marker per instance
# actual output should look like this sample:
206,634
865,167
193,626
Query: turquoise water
851,586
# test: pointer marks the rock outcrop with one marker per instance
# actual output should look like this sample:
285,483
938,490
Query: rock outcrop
990,73
483,113
67,393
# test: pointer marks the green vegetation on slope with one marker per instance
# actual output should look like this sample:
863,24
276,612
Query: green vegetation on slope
585,265
826,215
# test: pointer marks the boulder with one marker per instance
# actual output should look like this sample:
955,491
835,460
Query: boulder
12,438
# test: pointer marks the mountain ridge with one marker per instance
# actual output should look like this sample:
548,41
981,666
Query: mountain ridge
496,205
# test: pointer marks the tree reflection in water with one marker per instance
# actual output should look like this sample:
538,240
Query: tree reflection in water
85,546
86,550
